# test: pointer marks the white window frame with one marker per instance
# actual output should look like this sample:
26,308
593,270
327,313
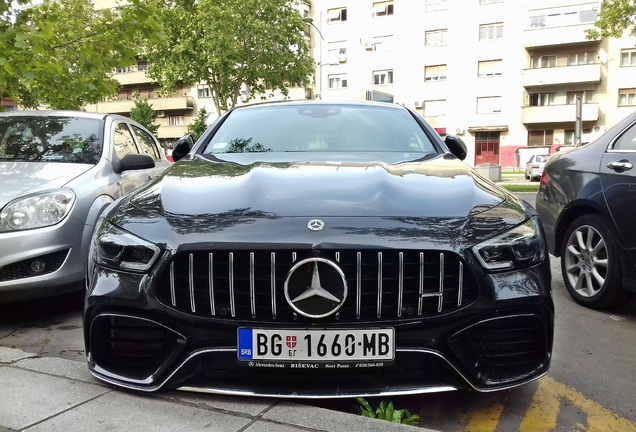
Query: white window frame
176,120
382,77
435,38
627,97
542,99
489,105
581,58
491,31
203,92
337,15
543,61
383,8
587,96
435,73
382,43
436,5
489,68
337,81
628,57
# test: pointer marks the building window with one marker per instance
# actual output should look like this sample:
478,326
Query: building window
489,105
337,81
142,65
490,31
587,96
537,21
568,138
383,8
336,52
176,120
544,61
435,38
203,92
628,57
436,5
383,43
581,58
489,68
336,15
434,108
383,77
541,99
123,69
435,73
627,97
540,138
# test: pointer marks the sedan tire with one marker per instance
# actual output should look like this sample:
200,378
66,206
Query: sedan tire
591,264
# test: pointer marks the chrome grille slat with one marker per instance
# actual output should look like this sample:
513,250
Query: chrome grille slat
385,284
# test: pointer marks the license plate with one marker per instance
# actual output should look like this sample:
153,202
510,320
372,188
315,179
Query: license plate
316,345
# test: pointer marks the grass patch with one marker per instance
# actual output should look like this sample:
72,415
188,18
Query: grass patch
521,187
387,412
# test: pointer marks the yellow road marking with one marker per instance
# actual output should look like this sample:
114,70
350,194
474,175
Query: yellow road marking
543,413
544,410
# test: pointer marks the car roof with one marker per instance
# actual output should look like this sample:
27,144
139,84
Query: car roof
313,102
59,113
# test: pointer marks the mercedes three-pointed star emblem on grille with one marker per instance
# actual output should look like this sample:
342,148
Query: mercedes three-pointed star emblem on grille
316,287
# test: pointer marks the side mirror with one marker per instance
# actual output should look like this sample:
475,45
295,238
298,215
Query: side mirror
134,161
182,147
457,146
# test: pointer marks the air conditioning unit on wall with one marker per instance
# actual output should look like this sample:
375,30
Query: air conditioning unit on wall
417,104
459,131
161,114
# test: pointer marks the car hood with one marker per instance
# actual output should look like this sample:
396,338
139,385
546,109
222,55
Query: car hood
439,187
23,178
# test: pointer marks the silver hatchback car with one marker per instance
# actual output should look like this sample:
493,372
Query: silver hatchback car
58,171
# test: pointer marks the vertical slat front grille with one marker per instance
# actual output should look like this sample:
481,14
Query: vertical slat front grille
385,285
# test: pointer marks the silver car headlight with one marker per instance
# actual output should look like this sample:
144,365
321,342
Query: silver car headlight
522,246
37,211
118,249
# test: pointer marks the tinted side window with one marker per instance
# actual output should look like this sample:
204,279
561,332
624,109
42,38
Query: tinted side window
124,142
627,141
146,143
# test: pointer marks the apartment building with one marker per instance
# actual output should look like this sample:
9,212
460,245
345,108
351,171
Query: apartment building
504,75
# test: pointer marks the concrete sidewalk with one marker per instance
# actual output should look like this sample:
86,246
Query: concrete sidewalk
54,394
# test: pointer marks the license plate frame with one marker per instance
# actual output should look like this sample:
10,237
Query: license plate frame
309,345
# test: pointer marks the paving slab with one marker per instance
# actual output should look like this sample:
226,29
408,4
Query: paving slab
122,411
59,367
251,406
11,355
28,397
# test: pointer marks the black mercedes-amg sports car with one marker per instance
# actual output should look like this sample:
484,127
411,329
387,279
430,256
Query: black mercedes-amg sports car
317,249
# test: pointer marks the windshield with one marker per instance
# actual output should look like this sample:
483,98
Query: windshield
48,139
320,128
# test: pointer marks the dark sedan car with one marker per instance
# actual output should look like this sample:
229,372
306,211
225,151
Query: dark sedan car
586,201
313,249
58,171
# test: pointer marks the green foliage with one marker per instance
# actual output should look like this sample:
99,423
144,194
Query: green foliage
60,53
387,412
143,114
227,43
615,18
199,125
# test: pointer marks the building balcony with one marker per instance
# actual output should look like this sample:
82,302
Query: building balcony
561,35
558,114
580,74
135,77
171,132
158,104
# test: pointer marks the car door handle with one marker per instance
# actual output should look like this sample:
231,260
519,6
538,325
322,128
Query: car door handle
620,166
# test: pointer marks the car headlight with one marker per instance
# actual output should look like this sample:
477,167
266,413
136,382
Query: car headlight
520,247
118,249
37,211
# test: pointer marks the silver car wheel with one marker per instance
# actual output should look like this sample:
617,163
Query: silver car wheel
585,261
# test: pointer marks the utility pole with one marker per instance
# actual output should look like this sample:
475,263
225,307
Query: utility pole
578,125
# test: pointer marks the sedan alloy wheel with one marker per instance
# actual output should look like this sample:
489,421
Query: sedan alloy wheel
590,263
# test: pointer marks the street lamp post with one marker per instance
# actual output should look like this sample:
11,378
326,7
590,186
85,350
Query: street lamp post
310,21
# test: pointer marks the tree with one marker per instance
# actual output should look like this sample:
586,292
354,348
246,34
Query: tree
143,114
199,125
229,43
615,17
60,53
